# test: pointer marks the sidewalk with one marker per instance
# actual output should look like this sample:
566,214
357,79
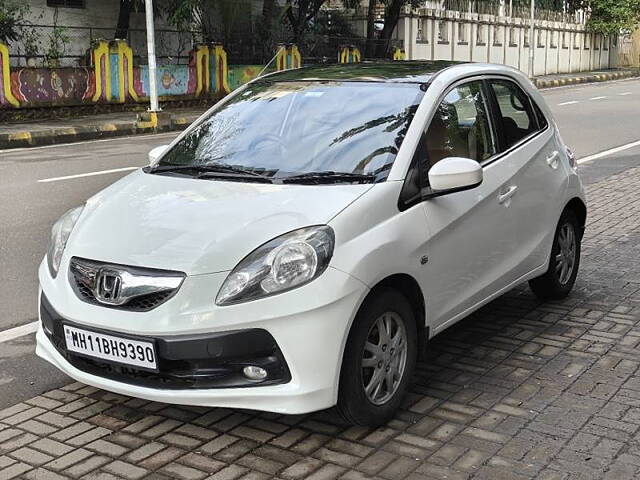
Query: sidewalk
548,81
89,127
85,127
520,390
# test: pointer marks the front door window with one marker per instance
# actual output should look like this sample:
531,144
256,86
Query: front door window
460,126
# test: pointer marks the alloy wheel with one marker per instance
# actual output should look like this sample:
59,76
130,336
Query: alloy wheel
384,358
566,256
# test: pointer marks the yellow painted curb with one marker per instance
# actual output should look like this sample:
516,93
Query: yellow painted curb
20,136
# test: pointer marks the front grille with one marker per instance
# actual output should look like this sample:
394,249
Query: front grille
82,276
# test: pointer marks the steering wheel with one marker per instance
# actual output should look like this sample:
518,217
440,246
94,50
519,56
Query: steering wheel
267,138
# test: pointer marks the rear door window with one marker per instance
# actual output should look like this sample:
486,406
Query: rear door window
515,113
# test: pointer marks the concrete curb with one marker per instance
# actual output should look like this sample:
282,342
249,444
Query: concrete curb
37,138
585,78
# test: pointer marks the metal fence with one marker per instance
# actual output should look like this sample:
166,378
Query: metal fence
42,45
550,10
70,46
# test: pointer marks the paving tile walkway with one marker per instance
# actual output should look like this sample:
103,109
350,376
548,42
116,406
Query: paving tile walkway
520,390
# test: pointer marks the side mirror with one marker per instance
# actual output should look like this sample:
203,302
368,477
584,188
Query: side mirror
156,153
454,174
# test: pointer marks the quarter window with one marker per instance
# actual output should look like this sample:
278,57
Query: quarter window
460,126
514,111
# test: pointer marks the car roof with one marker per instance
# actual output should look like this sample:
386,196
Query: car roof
406,71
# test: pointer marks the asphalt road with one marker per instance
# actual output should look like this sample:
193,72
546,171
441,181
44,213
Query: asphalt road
592,118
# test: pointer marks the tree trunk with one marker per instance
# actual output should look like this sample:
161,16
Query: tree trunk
122,29
391,17
267,12
371,17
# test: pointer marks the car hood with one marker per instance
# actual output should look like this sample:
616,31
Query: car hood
197,226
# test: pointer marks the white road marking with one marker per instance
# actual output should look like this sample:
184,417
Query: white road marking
568,103
609,152
89,174
18,332
625,93
597,98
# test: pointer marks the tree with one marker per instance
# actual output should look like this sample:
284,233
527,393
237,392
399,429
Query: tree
610,17
392,11
300,14
12,14
371,28
124,16
201,16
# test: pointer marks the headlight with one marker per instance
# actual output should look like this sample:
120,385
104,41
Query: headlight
59,235
286,262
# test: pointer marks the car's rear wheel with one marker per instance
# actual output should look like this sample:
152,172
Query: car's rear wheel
379,359
560,277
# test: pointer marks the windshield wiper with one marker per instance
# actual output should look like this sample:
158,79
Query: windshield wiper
329,177
214,170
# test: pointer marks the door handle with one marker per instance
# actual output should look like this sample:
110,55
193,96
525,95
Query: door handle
552,160
511,191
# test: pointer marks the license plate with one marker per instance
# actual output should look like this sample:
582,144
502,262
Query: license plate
120,350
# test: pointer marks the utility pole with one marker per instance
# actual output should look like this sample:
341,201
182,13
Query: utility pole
531,37
151,51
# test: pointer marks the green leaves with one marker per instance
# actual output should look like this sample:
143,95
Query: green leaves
12,13
613,16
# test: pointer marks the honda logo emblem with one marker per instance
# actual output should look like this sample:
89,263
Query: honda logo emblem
108,287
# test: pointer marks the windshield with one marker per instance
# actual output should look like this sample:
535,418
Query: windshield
287,129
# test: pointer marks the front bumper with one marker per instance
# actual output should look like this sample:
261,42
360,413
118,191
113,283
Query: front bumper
213,360
308,328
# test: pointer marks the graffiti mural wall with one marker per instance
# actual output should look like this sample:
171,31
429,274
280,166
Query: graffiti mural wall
241,74
173,80
114,78
52,86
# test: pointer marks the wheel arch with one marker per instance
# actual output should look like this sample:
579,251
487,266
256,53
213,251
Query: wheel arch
410,289
578,207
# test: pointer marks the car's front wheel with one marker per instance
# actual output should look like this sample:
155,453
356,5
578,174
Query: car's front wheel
558,281
379,359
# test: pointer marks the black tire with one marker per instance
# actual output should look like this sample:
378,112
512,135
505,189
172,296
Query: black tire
551,286
354,404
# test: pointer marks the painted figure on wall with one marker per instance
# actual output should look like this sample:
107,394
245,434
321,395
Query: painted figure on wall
42,85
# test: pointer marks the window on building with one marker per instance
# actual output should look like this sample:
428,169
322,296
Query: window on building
527,38
541,38
565,40
576,40
498,32
66,3
462,32
553,41
480,35
443,31
587,41
596,42
513,37
422,36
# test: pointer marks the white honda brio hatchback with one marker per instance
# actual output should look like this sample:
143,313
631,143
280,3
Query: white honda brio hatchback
297,246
